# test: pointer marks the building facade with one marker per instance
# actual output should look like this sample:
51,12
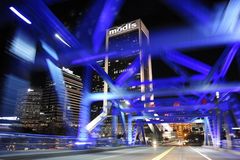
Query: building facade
130,41
28,108
60,107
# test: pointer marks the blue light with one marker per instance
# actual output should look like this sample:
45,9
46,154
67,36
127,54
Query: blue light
189,62
130,129
84,113
49,50
82,143
12,88
23,46
59,86
105,20
20,15
61,39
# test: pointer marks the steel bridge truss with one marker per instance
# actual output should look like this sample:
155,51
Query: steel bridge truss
180,99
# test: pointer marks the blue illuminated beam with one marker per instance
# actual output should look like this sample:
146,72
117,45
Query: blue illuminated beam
162,108
20,15
90,58
188,62
168,101
58,79
213,74
221,87
105,21
163,82
84,113
58,83
229,60
187,38
227,23
49,50
223,62
129,72
166,117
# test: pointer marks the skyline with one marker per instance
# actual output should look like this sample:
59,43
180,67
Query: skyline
115,72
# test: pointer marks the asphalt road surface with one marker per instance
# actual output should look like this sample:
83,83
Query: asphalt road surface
149,153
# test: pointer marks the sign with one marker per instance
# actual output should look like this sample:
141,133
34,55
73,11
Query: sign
122,28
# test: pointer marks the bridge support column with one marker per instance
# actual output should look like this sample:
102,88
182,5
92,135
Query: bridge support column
206,133
130,135
84,114
124,127
208,130
114,123
227,128
143,133
218,128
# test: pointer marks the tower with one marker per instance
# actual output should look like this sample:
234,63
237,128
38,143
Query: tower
130,41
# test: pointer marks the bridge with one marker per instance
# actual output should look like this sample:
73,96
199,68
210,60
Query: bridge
200,81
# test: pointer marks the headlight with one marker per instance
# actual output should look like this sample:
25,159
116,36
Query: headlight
154,144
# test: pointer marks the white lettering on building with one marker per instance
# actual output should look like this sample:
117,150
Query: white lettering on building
122,28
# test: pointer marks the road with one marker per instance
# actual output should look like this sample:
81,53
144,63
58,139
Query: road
147,153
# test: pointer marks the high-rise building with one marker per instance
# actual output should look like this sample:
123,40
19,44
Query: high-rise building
97,87
60,107
130,41
28,108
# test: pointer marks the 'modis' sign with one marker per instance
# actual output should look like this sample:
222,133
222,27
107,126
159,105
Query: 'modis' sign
122,28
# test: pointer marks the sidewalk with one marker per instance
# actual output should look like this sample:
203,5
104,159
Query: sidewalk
30,154
232,151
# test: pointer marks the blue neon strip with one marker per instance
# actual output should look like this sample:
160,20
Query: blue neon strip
229,59
20,15
61,39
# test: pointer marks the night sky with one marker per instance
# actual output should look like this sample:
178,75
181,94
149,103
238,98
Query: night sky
155,14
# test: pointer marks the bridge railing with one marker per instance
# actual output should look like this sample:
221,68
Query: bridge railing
235,144
21,141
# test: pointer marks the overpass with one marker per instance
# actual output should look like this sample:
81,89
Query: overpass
200,91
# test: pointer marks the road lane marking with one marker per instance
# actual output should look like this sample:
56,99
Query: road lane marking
122,154
201,154
160,156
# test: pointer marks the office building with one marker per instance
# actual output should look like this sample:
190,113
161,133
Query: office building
60,107
97,87
28,108
130,41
